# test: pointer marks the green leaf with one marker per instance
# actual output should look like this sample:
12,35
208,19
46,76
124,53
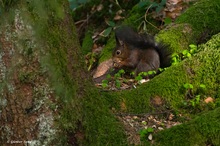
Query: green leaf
202,86
150,72
197,99
192,46
159,8
188,86
163,2
117,83
185,52
108,76
167,21
150,129
111,23
192,103
144,3
132,73
121,71
161,69
188,55
117,75
143,73
138,78
106,32
154,5
104,83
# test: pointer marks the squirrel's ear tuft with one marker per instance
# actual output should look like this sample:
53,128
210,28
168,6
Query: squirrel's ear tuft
121,43
125,46
118,41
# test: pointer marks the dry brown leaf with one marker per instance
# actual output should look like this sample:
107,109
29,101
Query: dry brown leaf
209,99
103,68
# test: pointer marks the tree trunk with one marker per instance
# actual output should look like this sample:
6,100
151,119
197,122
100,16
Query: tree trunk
47,97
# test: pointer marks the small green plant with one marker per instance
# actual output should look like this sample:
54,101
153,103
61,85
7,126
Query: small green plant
144,132
193,49
194,102
117,77
195,98
105,82
141,75
188,86
91,60
167,21
186,54
176,58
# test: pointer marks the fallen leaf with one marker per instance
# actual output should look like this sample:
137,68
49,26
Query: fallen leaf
209,99
103,68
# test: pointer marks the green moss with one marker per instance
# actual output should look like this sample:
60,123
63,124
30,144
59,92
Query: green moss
87,43
166,85
101,126
205,67
204,15
178,37
107,51
203,130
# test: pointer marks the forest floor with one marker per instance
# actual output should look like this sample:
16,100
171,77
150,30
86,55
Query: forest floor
142,126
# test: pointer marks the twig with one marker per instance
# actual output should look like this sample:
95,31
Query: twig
145,18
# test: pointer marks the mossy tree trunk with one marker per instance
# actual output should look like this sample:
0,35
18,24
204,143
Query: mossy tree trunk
47,97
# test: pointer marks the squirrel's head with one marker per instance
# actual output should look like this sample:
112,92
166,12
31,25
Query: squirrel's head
120,53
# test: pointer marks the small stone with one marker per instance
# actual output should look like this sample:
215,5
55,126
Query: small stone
144,81
171,116
144,122
160,128
150,136
135,117
154,126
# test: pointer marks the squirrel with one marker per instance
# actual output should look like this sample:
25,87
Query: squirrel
139,52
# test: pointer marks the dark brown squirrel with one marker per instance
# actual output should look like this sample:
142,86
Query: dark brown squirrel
139,52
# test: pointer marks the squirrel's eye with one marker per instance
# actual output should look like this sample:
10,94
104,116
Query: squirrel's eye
118,52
